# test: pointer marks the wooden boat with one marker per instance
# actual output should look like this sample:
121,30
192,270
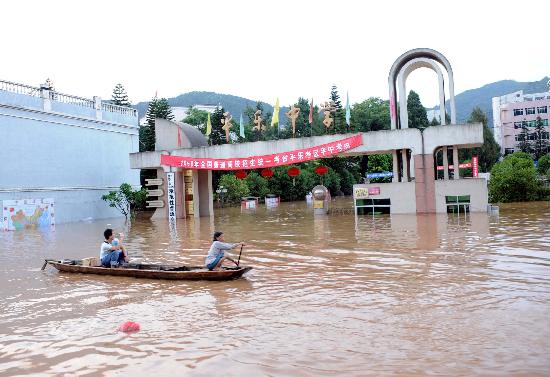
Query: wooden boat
151,271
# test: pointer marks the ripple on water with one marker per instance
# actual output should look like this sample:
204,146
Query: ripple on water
383,295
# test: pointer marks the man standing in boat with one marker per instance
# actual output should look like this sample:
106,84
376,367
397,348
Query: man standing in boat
111,255
216,254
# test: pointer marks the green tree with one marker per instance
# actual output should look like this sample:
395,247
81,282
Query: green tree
373,114
158,108
339,126
292,188
514,179
379,163
544,164
126,200
197,118
523,137
217,136
417,112
489,153
236,188
120,97
540,142
257,185
302,122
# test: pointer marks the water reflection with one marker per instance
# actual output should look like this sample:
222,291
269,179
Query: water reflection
329,295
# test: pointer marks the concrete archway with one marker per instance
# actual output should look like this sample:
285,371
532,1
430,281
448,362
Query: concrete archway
402,77
426,54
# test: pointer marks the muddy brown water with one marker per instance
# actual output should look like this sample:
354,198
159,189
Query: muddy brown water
383,295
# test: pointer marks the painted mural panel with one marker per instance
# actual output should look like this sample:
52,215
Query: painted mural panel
28,214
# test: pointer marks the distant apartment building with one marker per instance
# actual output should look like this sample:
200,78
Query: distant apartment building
512,112
62,150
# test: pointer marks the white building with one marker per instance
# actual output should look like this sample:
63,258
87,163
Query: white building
63,148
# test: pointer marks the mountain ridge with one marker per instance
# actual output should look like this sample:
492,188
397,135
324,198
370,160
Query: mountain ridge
465,101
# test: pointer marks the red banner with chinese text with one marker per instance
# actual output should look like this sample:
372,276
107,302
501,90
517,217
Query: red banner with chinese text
264,161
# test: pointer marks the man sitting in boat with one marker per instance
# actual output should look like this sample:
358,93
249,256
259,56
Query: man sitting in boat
111,255
216,254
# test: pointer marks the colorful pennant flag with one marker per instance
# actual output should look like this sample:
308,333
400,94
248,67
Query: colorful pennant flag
208,126
241,126
275,117
311,111
348,111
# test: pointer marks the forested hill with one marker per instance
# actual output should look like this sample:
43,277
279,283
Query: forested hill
235,105
465,101
482,97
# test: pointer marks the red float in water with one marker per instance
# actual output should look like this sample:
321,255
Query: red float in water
321,170
266,173
241,174
293,172
129,326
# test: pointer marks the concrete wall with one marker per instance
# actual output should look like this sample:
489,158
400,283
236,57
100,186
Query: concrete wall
475,187
402,195
464,136
66,156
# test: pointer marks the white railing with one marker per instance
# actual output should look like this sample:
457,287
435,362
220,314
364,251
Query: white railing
73,100
118,109
14,87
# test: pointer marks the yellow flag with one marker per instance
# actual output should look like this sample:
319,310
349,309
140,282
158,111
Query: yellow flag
275,117
208,126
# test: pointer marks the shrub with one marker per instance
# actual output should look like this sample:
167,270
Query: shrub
514,179
544,164
236,188
126,200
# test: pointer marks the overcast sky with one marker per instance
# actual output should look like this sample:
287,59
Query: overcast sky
267,49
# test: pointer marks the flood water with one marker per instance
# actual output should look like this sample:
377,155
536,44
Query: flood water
384,296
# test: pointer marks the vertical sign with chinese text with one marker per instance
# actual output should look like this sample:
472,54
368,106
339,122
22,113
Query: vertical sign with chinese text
171,197
475,169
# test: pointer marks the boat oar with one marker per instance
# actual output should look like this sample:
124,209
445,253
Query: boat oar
238,261
46,261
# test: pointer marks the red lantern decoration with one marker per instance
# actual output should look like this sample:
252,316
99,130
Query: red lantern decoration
241,174
266,173
293,172
321,170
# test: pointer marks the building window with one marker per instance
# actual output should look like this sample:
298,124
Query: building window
457,204
517,125
373,206
530,123
544,122
538,98
518,112
508,151
542,109
529,111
